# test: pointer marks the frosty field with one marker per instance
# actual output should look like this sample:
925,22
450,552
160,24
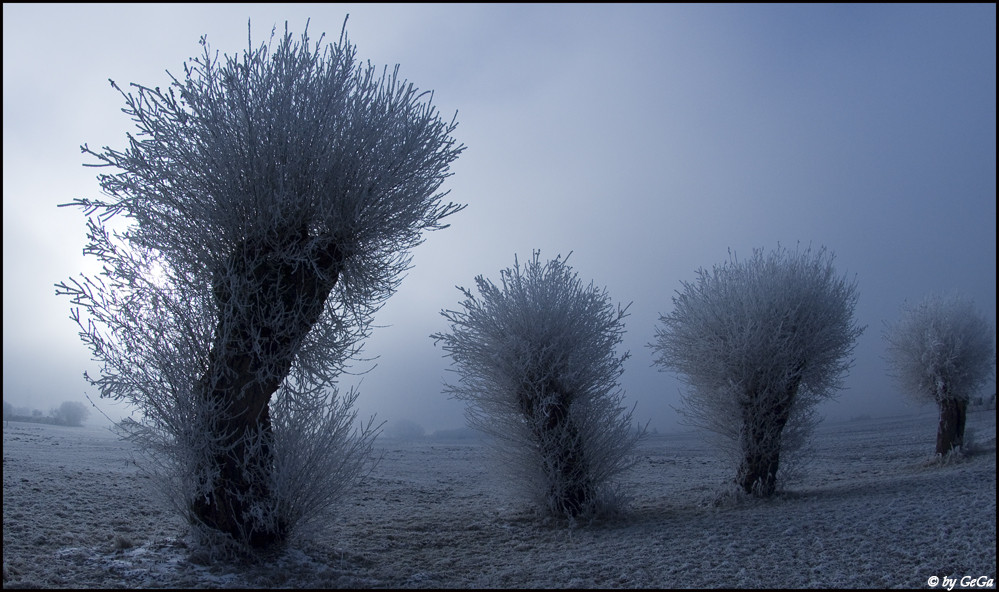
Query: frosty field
874,510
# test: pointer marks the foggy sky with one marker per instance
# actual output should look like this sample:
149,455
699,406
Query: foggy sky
648,140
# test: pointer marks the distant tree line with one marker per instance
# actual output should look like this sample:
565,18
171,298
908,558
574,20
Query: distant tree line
407,429
69,413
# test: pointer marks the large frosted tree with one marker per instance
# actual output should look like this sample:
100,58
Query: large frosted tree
760,342
536,362
265,209
942,350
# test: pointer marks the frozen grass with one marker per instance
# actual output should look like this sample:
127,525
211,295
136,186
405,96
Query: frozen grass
874,510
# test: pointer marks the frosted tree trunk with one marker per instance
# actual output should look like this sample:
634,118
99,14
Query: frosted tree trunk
560,446
950,431
763,426
268,301
761,454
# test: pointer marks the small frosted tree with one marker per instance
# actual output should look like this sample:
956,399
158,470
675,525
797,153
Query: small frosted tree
70,413
760,343
942,351
264,211
536,363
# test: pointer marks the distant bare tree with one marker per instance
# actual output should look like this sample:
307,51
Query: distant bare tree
942,350
265,210
536,363
760,342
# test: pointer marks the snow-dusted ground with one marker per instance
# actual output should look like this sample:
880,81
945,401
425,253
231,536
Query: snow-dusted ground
874,510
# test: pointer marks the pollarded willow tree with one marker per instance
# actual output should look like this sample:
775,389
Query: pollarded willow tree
264,211
537,365
760,343
942,351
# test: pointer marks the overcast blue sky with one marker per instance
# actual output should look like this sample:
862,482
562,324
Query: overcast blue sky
646,139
